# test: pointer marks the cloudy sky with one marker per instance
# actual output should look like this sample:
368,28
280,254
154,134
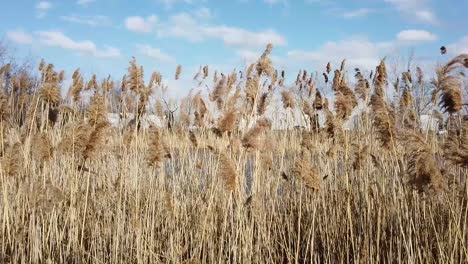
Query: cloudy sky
100,36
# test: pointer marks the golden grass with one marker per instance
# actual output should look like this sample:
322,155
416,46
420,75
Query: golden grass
207,190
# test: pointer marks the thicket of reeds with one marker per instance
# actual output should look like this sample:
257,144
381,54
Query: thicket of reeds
215,181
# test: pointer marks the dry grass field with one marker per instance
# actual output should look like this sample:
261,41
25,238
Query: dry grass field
217,182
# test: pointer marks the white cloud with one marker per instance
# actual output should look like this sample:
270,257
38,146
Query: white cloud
273,2
140,24
155,53
87,20
241,38
42,7
415,9
358,52
413,35
108,52
203,13
362,53
248,56
426,16
19,37
405,3
459,47
185,26
361,12
84,2
316,1
58,39
170,3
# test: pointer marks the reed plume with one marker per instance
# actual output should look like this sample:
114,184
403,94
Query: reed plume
422,168
96,141
361,158
206,71
407,112
251,139
383,121
382,117
346,91
7,67
193,139
143,99
264,64
219,92
50,93
215,76
107,85
342,66
41,147
231,80
312,87
407,77
318,101
263,103
326,105
76,87
227,172
343,106
332,125
362,86
456,146
228,122
287,98
4,108
328,68
178,72
97,112
92,84
156,79
420,75
337,80
75,139
184,111
200,104
159,110
307,108
201,110
325,78
348,100
13,160
274,79
298,78
406,100
156,151
134,80
307,140
266,161
123,84
251,89
380,79
450,85
304,171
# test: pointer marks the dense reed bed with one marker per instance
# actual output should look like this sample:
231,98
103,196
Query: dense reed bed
216,181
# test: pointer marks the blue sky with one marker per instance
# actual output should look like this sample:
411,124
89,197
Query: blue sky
100,36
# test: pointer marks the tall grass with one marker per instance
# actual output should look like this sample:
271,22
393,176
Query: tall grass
202,188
